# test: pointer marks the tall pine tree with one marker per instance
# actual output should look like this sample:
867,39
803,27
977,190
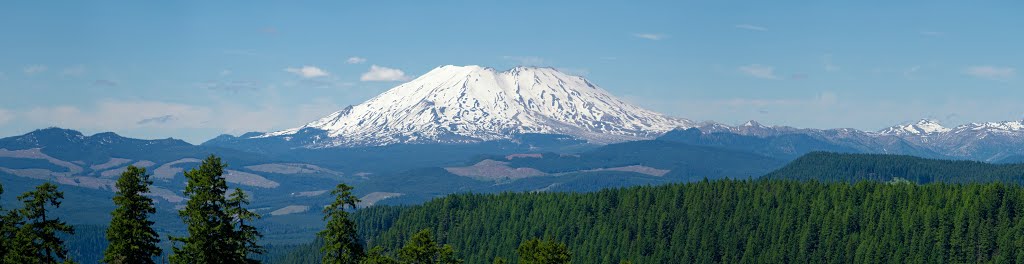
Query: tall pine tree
376,256
209,226
131,235
341,243
35,239
245,235
422,249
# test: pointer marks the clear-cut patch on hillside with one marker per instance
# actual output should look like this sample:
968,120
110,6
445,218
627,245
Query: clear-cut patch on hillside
493,170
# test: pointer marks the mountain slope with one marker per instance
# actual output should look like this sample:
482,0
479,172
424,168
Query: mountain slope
922,127
988,141
824,166
453,104
839,139
720,222
785,146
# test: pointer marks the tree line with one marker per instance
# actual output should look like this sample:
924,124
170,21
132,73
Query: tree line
731,221
220,228
728,221
846,167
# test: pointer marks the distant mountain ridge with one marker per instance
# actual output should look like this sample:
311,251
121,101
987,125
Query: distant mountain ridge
988,141
474,104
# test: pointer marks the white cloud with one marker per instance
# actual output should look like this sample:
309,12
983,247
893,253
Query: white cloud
308,71
759,71
525,60
651,36
912,71
156,119
381,73
225,72
991,72
6,116
829,66
355,60
75,71
34,69
751,27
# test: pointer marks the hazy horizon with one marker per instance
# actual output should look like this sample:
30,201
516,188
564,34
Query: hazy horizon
195,70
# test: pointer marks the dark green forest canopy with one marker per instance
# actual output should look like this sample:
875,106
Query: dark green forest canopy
759,221
825,166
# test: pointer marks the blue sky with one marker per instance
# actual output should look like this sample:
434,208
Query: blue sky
193,70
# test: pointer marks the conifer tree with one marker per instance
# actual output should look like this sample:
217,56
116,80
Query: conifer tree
209,226
341,243
376,256
422,249
131,235
245,236
536,251
6,227
36,238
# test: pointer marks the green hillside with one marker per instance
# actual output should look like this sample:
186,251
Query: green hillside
825,166
730,221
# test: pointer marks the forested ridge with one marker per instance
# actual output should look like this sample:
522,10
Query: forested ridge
730,221
788,216
827,166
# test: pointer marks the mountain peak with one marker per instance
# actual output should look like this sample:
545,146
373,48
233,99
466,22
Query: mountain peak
1016,125
924,126
456,104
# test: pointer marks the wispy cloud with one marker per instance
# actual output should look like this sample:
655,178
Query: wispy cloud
156,120
991,72
75,71
355,60
829,65
104,82
228,86
525,60
35,69
759,71
911,72
751,27
308,71
5,116
145,118
381,73
651,36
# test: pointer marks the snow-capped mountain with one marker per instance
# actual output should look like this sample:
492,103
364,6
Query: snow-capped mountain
922,127
988,141
460,104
